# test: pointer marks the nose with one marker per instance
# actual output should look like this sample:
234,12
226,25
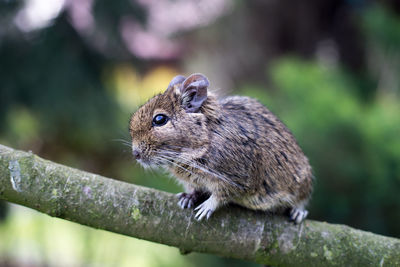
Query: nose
136,153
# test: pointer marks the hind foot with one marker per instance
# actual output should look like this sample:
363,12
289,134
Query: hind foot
297,215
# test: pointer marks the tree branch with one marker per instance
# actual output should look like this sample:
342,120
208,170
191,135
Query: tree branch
152,215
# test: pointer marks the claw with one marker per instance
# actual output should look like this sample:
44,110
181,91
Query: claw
180,203
209,214
187,200
206,209
297,215
203,212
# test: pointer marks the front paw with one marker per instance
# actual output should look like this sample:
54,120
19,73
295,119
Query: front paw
187,200
207,208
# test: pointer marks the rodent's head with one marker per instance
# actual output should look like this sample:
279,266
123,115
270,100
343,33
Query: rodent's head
172,125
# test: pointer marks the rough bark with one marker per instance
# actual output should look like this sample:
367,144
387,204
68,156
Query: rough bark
152,215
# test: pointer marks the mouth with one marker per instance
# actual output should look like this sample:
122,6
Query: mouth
151,160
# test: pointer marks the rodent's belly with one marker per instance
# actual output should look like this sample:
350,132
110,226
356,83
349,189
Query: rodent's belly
264,202
255,201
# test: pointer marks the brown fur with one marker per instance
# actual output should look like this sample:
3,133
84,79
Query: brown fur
233,148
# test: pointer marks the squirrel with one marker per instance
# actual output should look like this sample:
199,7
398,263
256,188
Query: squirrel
233,150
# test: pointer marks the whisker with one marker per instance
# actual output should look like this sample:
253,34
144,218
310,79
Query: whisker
177,165
195,165
123,142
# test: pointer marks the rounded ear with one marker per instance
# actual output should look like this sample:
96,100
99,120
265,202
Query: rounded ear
176,80
194,92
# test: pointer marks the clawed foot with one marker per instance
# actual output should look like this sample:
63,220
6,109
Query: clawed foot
297,215
206,208
187,200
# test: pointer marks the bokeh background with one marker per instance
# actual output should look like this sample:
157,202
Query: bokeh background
72,72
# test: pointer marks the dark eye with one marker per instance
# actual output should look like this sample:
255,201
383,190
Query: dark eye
160,120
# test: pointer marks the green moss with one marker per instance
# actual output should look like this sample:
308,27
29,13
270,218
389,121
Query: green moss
262,257
135,213
327,253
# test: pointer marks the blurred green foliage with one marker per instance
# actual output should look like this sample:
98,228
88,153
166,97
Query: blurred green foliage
52,92
382,26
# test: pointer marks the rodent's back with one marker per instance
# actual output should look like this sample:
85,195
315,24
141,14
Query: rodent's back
249,144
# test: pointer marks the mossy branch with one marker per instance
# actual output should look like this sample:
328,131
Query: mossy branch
152,215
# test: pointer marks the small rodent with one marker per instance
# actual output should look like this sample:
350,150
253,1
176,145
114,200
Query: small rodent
234,150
